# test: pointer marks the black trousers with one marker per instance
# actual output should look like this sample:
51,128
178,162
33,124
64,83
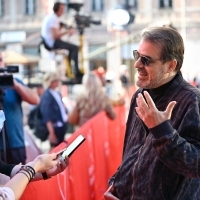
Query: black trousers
15,156
73,53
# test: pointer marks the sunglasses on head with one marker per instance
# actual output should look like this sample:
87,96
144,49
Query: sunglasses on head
144,60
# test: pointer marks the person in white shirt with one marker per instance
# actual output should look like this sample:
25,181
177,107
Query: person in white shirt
52,32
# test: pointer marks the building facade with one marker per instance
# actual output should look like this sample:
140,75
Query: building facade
27,15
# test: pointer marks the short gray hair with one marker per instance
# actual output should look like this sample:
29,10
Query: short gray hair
169,41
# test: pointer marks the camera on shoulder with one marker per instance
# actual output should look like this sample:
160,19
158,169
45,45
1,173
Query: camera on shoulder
6,77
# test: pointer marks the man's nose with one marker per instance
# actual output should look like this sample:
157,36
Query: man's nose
138,63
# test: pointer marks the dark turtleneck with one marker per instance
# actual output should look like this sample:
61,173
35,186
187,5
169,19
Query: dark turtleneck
157,93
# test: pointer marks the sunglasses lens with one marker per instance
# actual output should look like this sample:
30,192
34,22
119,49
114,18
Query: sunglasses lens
136,55
145,61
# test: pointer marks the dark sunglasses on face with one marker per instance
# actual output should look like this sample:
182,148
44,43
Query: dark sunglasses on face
144,60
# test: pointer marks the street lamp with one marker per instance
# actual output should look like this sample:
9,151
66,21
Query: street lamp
119,19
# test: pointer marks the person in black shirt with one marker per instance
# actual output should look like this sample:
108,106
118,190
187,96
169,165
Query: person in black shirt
161,154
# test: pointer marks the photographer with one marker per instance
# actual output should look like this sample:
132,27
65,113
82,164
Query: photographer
52,32
12,99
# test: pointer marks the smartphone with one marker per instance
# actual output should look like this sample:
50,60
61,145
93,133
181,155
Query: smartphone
60,152
73,146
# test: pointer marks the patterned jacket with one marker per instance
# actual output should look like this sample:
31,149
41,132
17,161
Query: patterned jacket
163,163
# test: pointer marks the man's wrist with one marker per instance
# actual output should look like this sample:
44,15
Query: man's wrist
162,129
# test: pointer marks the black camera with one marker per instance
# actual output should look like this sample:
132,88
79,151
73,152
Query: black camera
6,79
82,21
75,6
85,21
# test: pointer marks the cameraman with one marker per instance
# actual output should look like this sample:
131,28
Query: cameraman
12,99
52,32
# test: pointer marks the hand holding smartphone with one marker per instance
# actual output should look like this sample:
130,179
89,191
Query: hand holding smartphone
72,147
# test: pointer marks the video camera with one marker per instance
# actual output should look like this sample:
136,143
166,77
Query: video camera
82,21
6,79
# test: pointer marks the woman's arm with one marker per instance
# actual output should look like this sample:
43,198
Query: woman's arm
48,163
61,166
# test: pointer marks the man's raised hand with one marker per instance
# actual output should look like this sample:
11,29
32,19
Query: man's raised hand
148,112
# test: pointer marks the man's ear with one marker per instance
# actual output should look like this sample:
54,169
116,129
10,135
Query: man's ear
172,65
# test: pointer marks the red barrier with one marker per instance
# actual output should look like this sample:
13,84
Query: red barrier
91,164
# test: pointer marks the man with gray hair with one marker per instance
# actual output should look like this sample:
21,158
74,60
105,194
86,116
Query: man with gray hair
161,155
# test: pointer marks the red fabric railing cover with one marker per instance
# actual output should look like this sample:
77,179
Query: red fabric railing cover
91,165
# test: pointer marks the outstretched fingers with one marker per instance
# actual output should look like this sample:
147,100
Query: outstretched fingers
149,100
141,101
148,112
144,104
141,105
170,108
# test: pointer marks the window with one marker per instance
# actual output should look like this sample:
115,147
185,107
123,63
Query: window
97,5
29,7
132,3
31,50
165,3
95,47
1,8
